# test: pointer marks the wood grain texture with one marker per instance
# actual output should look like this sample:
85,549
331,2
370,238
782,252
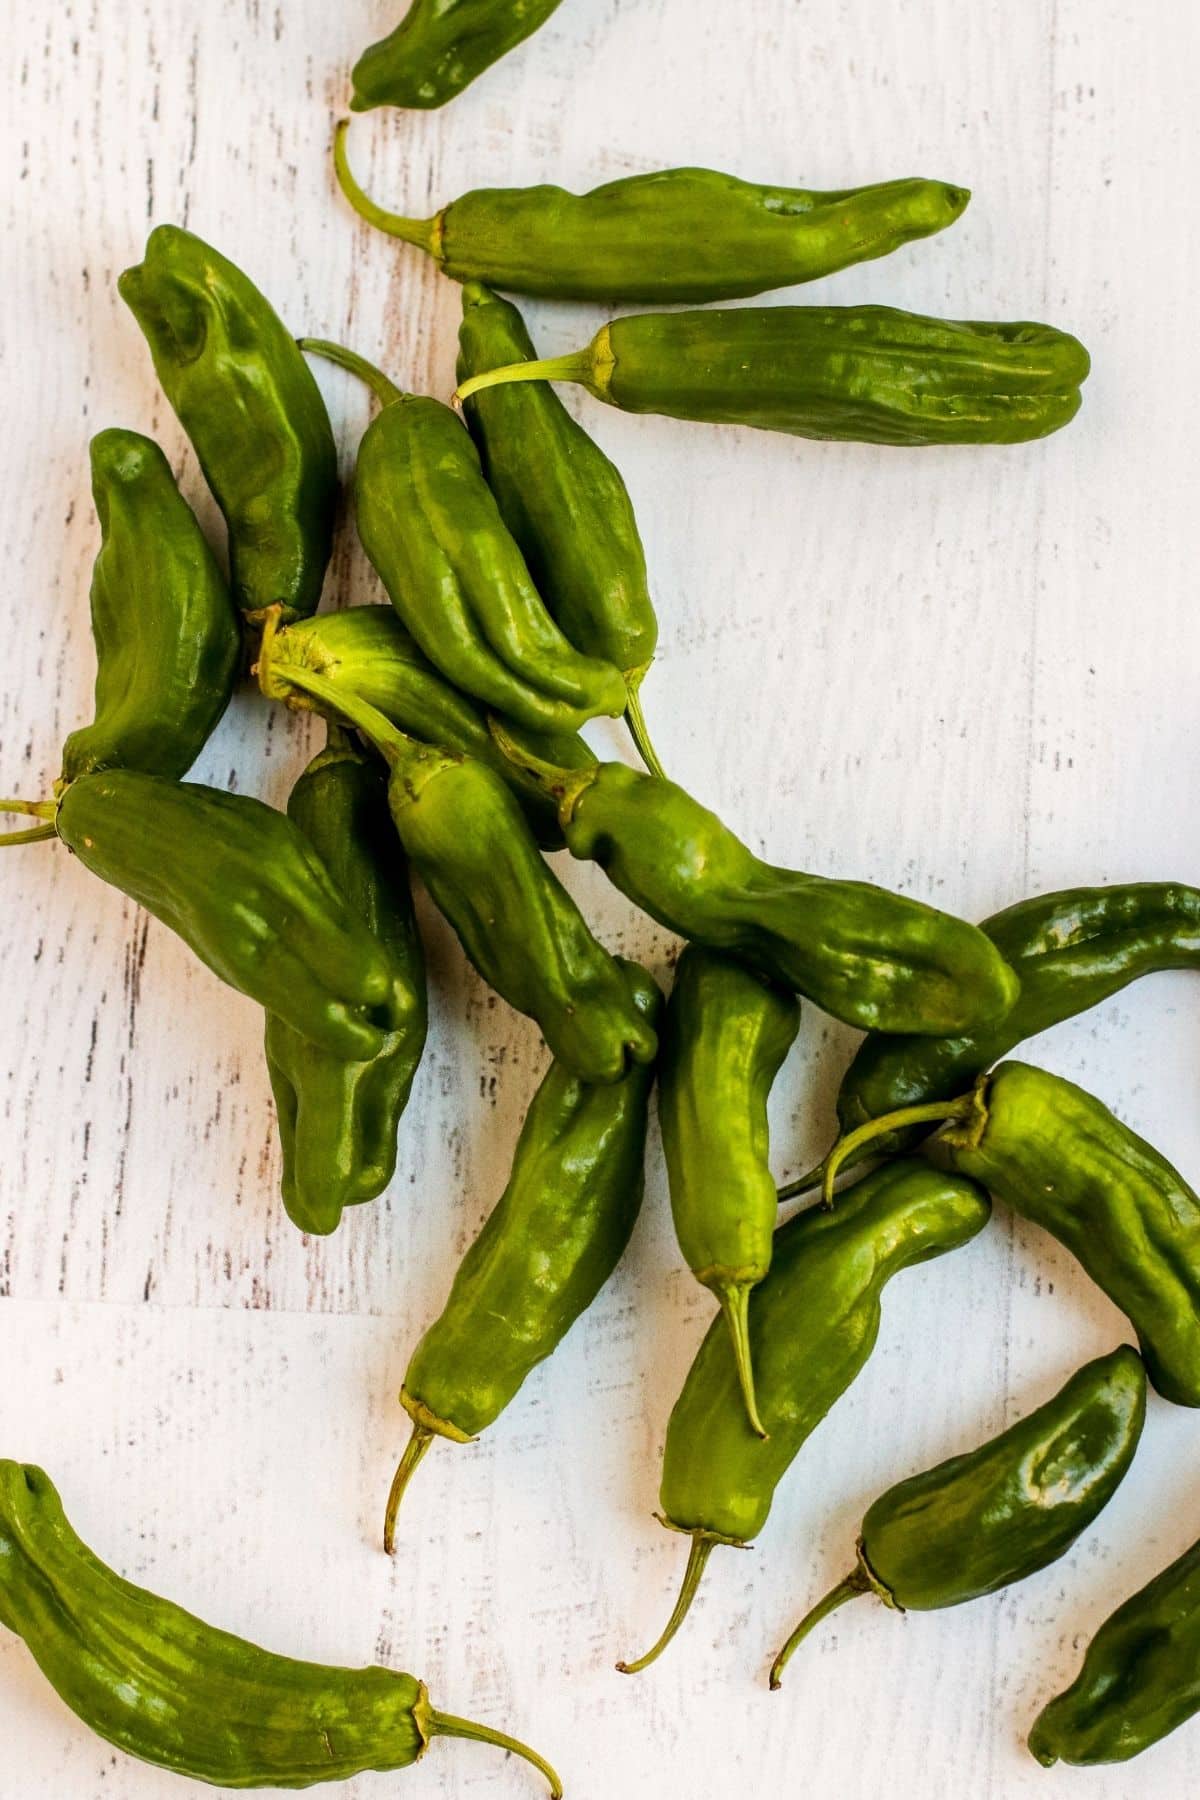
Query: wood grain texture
967,675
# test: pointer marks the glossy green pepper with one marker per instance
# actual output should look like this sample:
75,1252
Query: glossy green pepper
1071,950
813,1324
439,47
1058,1156
368,651
338,1119
160,1684
251,408
564,502
872,958
1140,1678
672,235
868,374
995,1515
432,530
168,644
725,1037
553,1239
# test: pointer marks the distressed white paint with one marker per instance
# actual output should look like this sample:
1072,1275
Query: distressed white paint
964,674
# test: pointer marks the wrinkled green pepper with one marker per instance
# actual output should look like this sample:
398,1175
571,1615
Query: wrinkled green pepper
553,1239
432,530
563,501
168,644
724,1040
1000,1513
672,235
1058,1156
813,1324
439,47
338,1119
872,958
1140,1678
868,374
254,413
160,1684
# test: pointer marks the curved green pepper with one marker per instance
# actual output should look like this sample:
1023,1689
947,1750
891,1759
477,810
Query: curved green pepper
1140,1678
367,651
161,1685
251,408
338,1119
1000,1513
549,1245
672,235
432,530
868,374
439,47
564,502
872,958
813,1324
726,1034
1058,1156
168,647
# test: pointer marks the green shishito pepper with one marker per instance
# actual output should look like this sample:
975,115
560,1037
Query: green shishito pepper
1057,1156
872,958
1140,1678
338,1119
251,408
466,836
813,1324
168,643
1071,950
868,374
672,235
563,501
160,1684
997,1514
439,47
726,1034
553,1239
433,532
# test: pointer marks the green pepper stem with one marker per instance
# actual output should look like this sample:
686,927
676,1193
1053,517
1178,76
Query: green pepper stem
702,1548
414,1452
636,721
426,234
563,785
813,1178
735,1305
391,743
856,1583
384,389
31,809
37,834
578,366
935,1113
440,1724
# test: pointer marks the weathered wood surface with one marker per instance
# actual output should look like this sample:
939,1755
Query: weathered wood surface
968,675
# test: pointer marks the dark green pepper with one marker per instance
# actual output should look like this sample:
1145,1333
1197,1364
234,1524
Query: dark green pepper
726,1034
338,1119
813,1324
672,235
875,959
251,408
1140,1678
439,47
1058,1156
432,530
869,374
995,1515
168,645
553,1239
564,502
161,1685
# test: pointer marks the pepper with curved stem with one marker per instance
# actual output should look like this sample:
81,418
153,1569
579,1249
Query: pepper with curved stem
702,1546
938,1112
849,1588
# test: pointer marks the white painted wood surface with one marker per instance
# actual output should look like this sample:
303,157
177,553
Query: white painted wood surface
965,674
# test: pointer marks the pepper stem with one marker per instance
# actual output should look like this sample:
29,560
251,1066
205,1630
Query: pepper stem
440,1724
37,834
578,366
735,1305
391,743
856,1583
418,1444
384,390
32,809
935,1113
636,721
563,785
702,1548
424,233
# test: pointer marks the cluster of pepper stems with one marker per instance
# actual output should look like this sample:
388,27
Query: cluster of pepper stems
520,608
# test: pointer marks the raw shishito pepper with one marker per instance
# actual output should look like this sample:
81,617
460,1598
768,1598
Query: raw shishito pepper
1000,1513
672,235
439,47
868,374
253,411
160,1684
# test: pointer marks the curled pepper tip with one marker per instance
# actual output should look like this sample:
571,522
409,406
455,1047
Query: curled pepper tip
439,1724
849,1588
702,1548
